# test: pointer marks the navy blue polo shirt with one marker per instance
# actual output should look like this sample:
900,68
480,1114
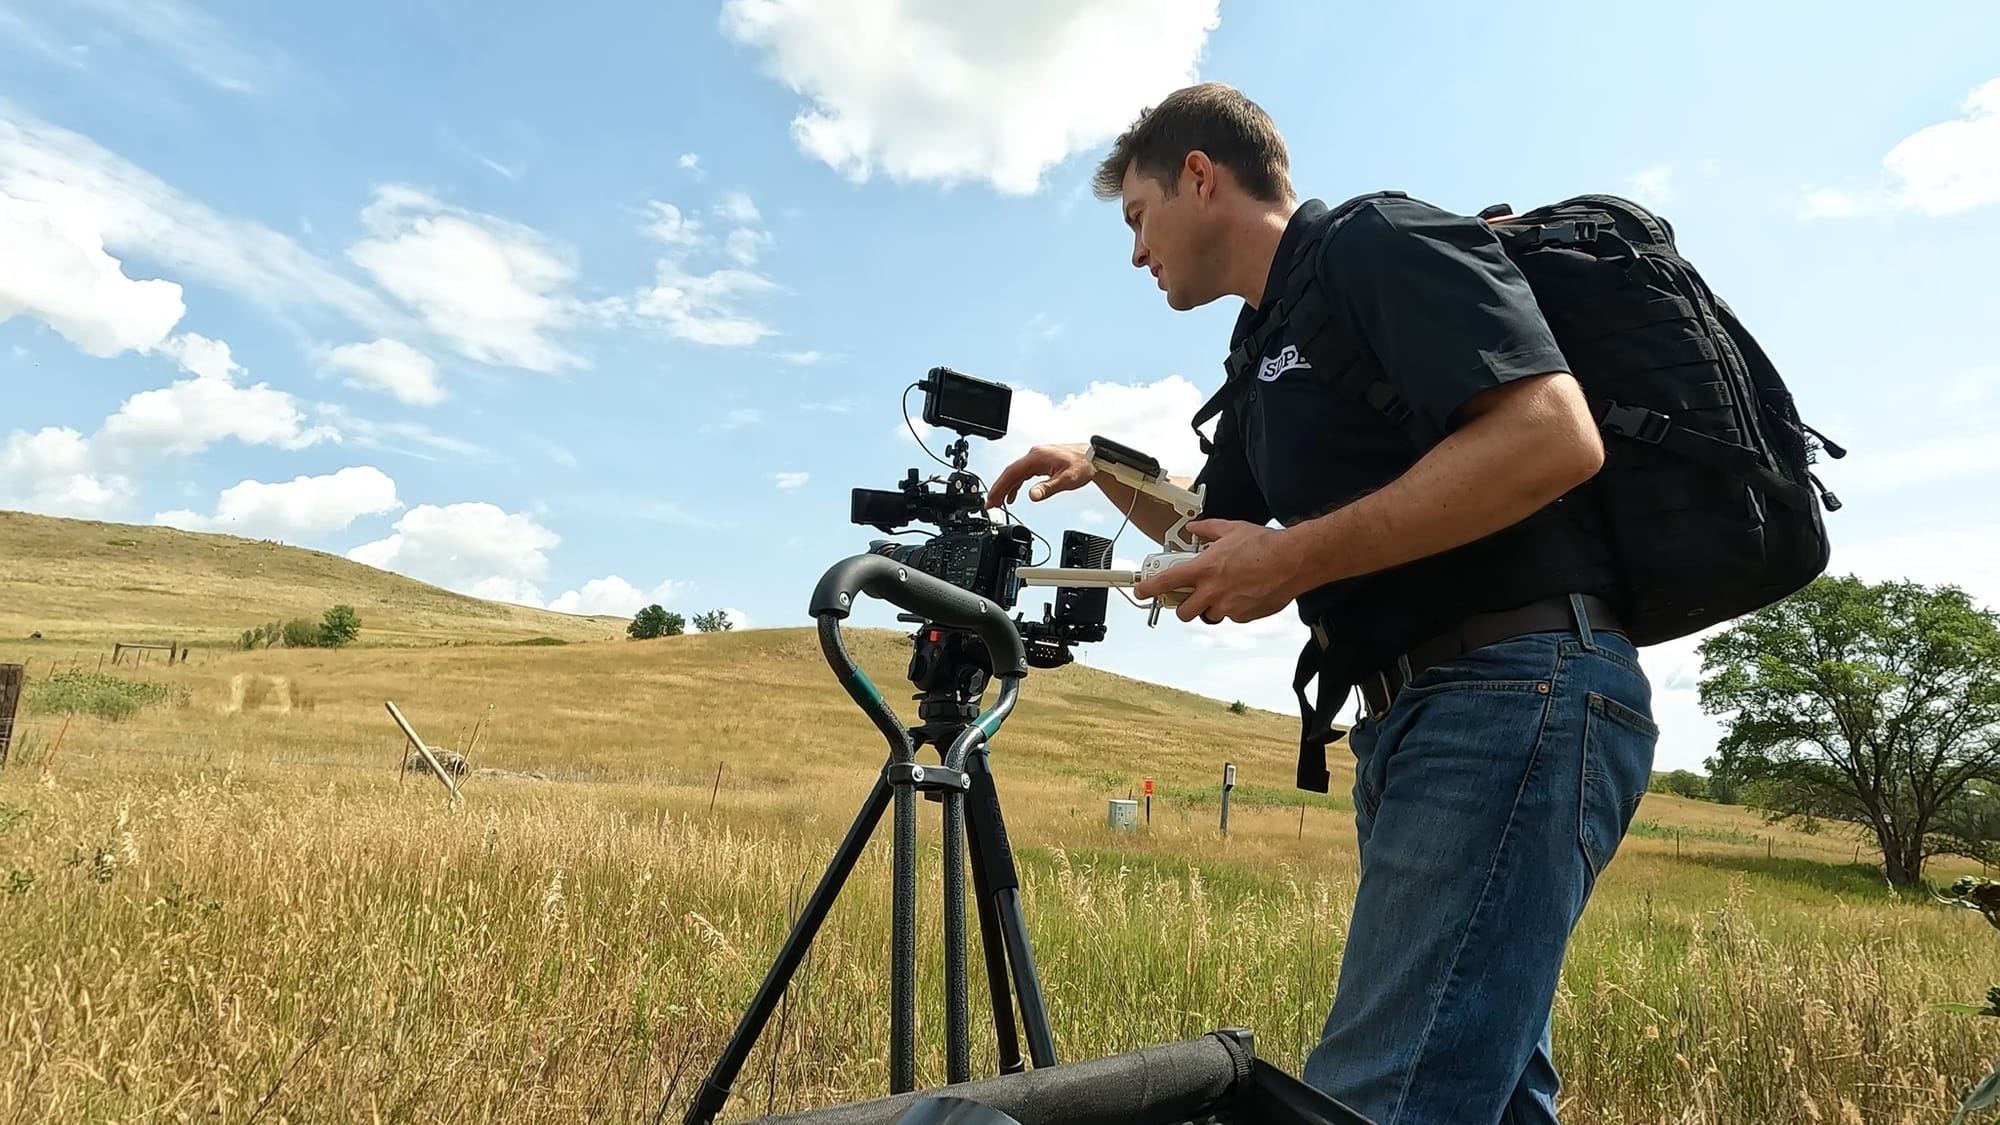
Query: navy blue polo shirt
1429,301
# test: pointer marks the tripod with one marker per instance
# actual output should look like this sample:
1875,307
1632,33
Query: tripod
951,669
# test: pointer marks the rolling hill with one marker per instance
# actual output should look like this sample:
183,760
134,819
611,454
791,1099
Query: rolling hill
84,580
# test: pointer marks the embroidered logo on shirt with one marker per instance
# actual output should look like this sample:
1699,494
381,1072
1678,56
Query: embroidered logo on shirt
1286,360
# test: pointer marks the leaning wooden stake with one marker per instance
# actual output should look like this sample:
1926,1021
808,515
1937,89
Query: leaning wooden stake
423,749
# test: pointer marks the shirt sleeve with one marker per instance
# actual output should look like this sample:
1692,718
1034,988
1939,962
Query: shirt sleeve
1441,305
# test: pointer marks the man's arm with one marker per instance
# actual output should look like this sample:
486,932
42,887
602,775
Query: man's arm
1462,339
1522,445
1149,514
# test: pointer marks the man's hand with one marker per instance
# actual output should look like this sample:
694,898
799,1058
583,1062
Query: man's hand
1246,572
1065,466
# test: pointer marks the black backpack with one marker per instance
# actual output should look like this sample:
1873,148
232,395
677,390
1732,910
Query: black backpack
1706,494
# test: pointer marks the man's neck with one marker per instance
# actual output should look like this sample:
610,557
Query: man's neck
1256,242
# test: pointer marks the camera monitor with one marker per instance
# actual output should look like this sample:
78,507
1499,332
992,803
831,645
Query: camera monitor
970,405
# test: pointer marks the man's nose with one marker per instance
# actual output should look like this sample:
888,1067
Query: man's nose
1139,254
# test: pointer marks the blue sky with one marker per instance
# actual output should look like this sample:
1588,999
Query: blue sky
596,307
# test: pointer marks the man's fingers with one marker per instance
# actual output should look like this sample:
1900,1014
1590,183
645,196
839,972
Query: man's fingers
1197,602
1058,482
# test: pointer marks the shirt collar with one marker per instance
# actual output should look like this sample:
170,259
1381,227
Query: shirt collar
1308,213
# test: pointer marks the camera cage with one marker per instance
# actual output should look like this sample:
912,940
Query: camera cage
969,549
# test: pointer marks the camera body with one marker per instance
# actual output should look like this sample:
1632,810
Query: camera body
969,550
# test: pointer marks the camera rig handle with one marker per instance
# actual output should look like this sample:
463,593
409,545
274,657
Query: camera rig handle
926,594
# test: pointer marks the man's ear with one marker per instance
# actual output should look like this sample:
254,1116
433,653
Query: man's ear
1198,175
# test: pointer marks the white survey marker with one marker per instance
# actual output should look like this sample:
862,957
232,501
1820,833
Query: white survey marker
1144,475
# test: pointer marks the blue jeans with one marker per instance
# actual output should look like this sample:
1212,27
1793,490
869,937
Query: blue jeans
1488,800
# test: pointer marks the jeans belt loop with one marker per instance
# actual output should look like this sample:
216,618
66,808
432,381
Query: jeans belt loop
1582,616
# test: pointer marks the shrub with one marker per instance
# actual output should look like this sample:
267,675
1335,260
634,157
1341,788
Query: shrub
340,626
94,693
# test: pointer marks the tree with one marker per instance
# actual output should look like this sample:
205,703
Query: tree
339,626
1681,783
1875,704
714,621
655,621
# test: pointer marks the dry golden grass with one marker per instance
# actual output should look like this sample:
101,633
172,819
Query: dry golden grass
81,580
223,907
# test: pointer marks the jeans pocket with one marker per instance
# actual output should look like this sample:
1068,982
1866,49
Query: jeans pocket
1618,746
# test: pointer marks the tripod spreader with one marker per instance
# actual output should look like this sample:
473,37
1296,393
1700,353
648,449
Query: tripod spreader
961,735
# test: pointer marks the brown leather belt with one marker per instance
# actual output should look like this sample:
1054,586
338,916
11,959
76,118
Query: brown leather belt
1380,688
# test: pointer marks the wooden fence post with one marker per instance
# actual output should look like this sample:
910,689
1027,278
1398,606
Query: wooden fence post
423,749
11,678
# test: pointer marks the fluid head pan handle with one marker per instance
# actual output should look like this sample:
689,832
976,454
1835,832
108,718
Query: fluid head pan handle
926,594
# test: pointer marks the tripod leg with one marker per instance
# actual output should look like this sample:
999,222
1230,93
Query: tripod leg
714,1090
958,1047
992,942
1003,890
903,950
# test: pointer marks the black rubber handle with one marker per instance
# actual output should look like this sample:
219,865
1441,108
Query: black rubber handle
925,594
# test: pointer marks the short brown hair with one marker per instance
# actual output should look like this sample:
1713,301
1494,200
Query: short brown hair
1234,131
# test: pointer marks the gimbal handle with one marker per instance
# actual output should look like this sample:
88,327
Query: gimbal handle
926,594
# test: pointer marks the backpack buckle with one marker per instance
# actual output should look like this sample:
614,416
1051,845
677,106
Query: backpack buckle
1567,233
1635,422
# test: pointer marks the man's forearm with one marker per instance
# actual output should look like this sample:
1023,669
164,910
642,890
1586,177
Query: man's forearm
1149,514
1490,474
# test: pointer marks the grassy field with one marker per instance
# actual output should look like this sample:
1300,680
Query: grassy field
80,580
229,904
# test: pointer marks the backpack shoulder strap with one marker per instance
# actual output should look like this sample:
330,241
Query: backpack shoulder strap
1304,306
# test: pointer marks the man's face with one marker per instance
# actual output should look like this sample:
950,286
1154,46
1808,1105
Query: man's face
1168,237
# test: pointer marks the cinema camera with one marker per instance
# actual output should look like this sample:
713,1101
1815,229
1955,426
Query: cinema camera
959,586
970,551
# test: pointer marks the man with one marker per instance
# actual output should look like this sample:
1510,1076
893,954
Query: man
1506,733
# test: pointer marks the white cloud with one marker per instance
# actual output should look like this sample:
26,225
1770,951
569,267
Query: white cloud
980,90
61,471
390,366
670,226
615,596
474,548
1150,417
704,308
790,481
738,208
104,200
736,419
396,436
1654,187
302,506
189,415
53,471
171,30
1945,168
479,549
494,289
56,271
745,244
